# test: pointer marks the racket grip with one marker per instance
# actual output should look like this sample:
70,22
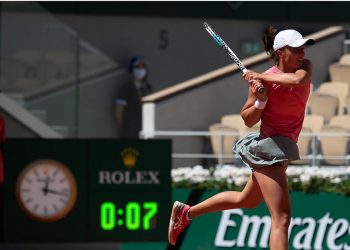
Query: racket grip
261,89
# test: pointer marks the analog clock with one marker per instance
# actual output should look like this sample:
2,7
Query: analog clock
46,190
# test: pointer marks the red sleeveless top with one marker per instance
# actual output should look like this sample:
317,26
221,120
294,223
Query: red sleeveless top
285,109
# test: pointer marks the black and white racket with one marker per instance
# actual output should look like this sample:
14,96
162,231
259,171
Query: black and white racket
227,49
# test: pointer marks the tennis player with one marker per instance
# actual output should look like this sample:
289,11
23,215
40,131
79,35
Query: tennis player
281,109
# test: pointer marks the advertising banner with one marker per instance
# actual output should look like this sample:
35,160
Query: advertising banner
319,222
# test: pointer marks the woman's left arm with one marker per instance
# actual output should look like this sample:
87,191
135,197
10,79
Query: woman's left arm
298,78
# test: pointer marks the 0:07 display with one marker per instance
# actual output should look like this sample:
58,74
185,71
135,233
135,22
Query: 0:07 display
134,216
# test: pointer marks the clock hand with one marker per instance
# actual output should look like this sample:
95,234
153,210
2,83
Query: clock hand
46,185
56,192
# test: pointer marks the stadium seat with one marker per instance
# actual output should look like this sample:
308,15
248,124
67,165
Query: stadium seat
314,122
345,59
228,140
334,148
236,121
325,105
339,89
341,121
233,120
340,71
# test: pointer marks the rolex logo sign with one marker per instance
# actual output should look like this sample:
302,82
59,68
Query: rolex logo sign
129,157
128,172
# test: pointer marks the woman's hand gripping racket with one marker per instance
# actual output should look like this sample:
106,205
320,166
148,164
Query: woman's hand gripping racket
227,49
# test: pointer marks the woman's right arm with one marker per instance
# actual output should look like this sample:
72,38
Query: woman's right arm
298,78
250,113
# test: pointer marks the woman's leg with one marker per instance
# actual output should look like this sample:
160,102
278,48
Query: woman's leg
274,188
181,214
250,197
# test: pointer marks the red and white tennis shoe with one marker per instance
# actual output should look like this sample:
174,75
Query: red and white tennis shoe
178,221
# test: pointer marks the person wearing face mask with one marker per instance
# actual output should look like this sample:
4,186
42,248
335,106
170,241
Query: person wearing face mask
127,104
139,72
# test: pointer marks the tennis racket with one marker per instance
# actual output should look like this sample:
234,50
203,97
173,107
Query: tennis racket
227,49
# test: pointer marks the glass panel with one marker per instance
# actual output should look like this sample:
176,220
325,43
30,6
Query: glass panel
43,63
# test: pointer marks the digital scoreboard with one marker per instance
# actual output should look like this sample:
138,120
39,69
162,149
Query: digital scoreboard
130,195
137,216
87,190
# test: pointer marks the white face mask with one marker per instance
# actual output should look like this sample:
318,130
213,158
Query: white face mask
139,73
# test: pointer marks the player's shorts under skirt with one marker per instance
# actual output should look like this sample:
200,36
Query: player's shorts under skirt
256,152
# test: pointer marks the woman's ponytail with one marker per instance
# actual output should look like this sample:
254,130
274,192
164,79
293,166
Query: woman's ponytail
268,38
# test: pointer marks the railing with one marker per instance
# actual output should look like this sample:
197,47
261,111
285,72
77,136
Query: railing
314,157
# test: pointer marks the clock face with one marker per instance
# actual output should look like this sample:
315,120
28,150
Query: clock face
46,190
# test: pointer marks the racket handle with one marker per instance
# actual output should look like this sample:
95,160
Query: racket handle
261,89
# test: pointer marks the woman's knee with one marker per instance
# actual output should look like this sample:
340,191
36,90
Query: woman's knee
282,220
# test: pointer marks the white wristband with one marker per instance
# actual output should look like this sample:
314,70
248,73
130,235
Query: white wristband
260,104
